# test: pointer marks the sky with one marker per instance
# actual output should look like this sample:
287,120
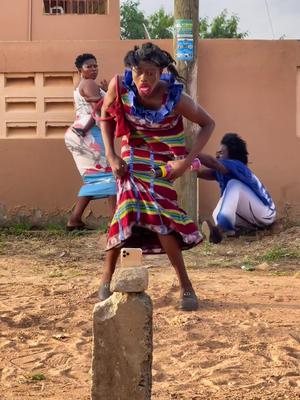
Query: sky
284,18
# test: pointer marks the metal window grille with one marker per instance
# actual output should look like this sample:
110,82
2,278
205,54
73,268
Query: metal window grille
59,7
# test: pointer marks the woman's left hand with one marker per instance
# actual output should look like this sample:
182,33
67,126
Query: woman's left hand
178,168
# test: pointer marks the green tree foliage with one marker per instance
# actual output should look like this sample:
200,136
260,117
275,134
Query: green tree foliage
222,26
160,25
132,20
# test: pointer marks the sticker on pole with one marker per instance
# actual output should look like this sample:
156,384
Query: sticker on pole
184,39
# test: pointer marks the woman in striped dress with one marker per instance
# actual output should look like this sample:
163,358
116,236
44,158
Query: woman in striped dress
147,213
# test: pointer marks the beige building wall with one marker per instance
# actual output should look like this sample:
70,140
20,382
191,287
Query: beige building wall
22,20
14,18
251,87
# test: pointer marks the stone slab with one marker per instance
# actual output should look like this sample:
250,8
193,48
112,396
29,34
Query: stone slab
122,348
130,280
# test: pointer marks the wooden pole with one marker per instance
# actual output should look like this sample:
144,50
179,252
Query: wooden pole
186,14
30,20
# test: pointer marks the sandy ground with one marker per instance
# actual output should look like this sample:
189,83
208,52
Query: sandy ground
243,343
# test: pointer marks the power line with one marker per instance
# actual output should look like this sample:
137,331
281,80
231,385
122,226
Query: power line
270,19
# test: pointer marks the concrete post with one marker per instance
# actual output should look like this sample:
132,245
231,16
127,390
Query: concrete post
122,348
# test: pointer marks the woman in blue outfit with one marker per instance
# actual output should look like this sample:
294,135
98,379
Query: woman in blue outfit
244,202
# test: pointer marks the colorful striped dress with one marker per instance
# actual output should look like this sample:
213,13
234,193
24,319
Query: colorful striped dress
146,205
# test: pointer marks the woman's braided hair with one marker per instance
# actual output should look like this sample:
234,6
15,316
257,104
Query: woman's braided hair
151,53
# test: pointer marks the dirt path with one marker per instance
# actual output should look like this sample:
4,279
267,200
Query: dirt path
243,343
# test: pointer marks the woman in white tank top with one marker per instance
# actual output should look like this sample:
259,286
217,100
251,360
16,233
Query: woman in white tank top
84,140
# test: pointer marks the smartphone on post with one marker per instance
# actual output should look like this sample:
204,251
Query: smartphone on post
131,257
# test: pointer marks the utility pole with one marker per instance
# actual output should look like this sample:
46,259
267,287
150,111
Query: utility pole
186,15
29,30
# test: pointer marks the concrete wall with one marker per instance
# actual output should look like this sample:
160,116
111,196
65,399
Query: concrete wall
14,20
251,87
38,178
25,20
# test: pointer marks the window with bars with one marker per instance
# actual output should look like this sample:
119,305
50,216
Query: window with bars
59,7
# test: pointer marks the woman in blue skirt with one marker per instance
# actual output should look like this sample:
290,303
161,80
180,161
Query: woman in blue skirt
84,140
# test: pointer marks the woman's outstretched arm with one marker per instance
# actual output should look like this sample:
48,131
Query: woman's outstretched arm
212,163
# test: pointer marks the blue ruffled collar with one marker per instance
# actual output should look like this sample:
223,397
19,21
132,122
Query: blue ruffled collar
153,116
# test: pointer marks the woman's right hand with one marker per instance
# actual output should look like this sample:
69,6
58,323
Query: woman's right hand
104,85
118,166
178,169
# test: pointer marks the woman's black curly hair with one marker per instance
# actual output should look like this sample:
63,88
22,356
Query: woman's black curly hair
151,53
236,146
82,58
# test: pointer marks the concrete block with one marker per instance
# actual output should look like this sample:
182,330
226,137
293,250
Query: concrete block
122,348
130,280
